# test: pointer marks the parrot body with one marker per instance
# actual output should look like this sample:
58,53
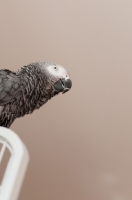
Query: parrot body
29,88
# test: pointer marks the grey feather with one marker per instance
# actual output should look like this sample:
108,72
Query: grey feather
24,91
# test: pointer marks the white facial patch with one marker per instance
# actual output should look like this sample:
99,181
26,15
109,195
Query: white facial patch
58,71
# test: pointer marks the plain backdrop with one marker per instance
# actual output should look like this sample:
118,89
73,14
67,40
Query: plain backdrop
80,143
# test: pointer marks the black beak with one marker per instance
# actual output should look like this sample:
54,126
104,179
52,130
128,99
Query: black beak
67,85
63,85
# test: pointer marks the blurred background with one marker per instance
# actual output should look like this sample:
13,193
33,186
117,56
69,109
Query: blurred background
80,143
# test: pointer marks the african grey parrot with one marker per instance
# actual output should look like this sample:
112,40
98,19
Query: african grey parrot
29,88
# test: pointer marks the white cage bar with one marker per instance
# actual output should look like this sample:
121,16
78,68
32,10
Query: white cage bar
17,164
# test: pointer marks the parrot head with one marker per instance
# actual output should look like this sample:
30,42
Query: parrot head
62,82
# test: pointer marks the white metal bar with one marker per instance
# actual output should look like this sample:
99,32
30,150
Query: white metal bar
16,167
2,151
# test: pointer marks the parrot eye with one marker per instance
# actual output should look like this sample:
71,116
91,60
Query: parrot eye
56,68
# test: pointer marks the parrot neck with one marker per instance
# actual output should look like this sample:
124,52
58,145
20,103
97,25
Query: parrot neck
36,88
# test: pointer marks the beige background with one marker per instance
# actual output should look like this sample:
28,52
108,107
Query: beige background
80,143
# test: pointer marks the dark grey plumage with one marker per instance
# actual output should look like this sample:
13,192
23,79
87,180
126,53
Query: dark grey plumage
29,88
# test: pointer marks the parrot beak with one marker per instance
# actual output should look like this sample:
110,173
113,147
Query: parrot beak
63,85
67,84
